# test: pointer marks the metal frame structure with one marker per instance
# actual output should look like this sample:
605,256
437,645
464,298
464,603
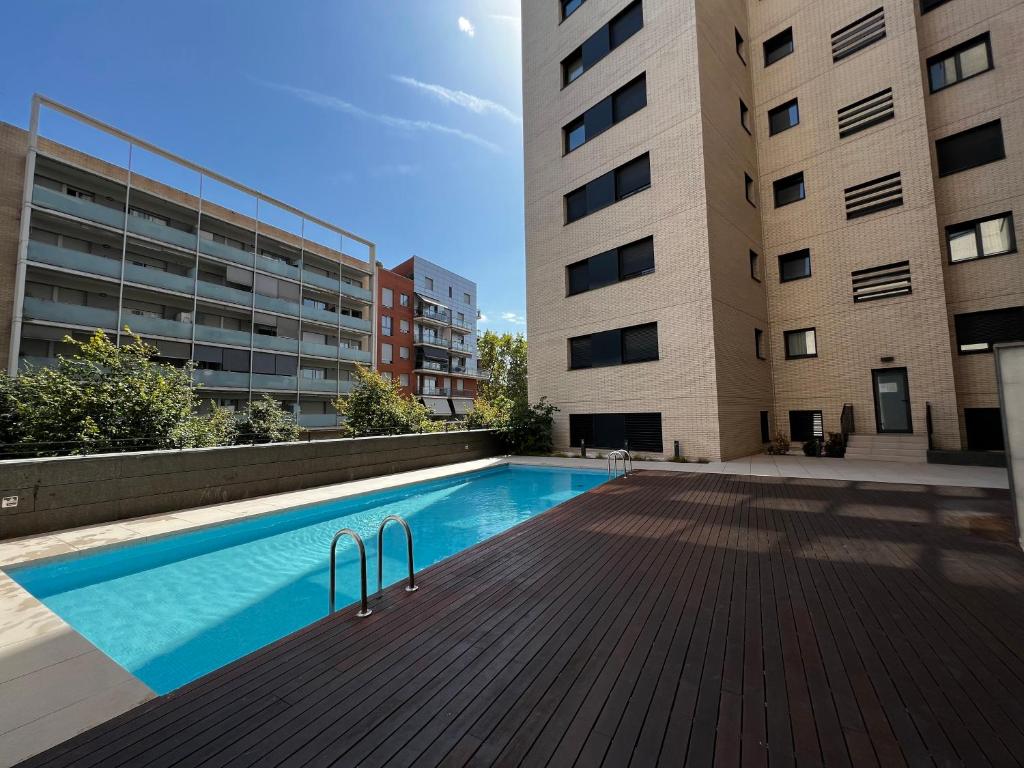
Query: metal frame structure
39,102
364,608
411,586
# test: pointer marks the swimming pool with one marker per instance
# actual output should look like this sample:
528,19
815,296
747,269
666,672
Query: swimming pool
172,609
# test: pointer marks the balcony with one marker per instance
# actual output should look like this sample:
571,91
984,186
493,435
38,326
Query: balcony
355,355
220,379
156,326
274,382
276,343
318,385
316,349
433,315
154,230
44,253
462,347
464,324
428,338
320,281
432,391
325,316
464,393
27,361
69,314
356,323
225,251
272,304
216,335
431,365
356,292
157,278
276,267
224,293
74,206
317,420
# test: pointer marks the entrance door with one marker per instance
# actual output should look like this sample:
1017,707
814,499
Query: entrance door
892,400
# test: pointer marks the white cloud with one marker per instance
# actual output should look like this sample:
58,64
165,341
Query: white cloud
327,101
462,99
465,25
512,21
513,318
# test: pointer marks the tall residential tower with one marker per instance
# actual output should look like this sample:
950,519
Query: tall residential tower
756,217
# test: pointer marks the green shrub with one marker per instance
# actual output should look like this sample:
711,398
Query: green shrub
377,406
265,421
835,446
779,446
812,447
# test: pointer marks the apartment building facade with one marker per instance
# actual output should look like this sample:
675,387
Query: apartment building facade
260,306
428,332
790,231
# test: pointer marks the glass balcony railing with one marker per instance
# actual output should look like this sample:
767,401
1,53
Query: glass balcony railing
276,267
74,206
218,379
223,293
316,349
428,338
272,304
430,313
222,335
314,420
156,326
355,355
320,281
44,253
274,382
462,324
69,314
28,361
165,234
224,251
463,393
158,278
461,346
276,343
320,315
355,323
433,391
318,385
356,292
430,365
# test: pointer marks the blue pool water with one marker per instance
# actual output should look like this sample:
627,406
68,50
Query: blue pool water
173,609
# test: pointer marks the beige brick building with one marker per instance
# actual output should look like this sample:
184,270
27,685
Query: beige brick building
747,218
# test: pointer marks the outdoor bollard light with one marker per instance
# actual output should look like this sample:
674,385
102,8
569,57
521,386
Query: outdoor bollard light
675,444
583,449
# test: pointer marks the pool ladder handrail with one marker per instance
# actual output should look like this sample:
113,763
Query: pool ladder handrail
364,609
613,462
411,586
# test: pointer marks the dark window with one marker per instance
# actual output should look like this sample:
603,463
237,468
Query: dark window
795,265
778,46
637,431
568,6
803,425
755,266
633,177
741,46
608,188
765,431
984,427
930,5
612,266
744,116
636,344
976,146
960,63
606,39
631,98
236,360
789,189
991,236
783,117
263,363
759,343
978,331
575,134
801,343
748,189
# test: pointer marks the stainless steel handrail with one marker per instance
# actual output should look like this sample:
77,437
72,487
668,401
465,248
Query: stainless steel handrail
411,586
613,462
364,609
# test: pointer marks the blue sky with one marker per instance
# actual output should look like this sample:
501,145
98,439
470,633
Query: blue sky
398,120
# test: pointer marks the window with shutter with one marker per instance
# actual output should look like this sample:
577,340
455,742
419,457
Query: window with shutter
579,352
976,332
636,258
976,146
640,343
633,177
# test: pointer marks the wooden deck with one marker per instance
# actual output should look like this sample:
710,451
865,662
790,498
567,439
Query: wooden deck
666,618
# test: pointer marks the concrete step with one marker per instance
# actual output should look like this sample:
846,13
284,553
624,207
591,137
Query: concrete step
910,449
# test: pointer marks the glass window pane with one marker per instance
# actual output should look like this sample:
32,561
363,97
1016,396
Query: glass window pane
995,236
576,137
974,60
963,245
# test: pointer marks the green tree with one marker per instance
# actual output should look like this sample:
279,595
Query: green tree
265,421
504,355
105,397
377,406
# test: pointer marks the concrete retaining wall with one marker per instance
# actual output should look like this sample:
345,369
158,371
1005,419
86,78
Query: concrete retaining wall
59,493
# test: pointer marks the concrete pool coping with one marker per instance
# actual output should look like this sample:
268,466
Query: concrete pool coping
55,684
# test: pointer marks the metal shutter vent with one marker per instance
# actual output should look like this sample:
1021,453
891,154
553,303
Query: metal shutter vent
873,196
865,113
858,35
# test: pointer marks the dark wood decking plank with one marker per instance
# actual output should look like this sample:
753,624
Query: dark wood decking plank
713,618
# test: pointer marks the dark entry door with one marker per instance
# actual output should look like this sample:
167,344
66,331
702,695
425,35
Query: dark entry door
892,400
